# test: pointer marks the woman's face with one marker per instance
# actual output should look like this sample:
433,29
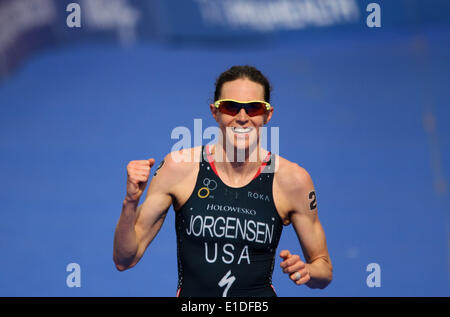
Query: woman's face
241,131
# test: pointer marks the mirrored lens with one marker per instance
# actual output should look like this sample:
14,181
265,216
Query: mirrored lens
255,108
232,108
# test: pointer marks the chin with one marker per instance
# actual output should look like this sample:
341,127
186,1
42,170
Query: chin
242,145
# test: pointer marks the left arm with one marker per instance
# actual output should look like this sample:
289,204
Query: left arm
317,272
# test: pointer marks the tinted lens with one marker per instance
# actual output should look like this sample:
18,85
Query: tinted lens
232,108
255,108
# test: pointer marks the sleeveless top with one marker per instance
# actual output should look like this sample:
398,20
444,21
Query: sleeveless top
227,237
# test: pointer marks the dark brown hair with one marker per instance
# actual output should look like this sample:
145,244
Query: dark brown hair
245,71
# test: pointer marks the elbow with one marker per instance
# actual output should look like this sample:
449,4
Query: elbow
323,279
320,284
326,282
327,279
121,265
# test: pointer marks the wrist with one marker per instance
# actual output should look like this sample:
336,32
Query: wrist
130,202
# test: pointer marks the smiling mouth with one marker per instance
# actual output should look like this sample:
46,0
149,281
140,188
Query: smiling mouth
241,130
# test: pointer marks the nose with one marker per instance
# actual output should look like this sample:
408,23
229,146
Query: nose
242,116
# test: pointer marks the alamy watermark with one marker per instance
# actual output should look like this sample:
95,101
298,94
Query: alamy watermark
277,14
374,278
73,19
374,18
74,278
236,144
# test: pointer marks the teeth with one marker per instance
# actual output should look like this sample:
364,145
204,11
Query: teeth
241,130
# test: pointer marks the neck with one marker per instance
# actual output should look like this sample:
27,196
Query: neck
242,161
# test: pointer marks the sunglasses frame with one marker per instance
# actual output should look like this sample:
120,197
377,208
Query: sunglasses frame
217,103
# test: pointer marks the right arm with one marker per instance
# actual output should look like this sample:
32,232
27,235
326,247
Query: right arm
138,225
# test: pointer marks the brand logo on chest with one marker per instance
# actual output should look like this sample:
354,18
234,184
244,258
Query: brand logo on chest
258,196
210,185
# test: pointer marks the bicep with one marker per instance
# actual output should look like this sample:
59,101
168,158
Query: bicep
310,234
305,220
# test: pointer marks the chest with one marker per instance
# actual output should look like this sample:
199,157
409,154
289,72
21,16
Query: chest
210,191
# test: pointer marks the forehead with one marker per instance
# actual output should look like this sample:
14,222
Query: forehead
242,89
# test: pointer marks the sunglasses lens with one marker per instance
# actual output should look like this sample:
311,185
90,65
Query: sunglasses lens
229,107
255,108
232,108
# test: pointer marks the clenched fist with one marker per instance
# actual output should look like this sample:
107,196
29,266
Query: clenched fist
138,173
297,269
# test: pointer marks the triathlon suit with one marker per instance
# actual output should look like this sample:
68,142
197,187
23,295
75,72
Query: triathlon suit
227,237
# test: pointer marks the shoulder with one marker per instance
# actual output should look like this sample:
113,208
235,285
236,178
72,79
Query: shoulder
291,177
182,161
177,166
291,188
294,190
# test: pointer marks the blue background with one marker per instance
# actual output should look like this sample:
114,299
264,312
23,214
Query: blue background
364,111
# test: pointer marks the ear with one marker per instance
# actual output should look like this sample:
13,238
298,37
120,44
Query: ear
214,111
268,116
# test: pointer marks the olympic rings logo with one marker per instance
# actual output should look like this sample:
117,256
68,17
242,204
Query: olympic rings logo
210,185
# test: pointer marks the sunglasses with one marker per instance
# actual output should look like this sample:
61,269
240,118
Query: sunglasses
252,107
